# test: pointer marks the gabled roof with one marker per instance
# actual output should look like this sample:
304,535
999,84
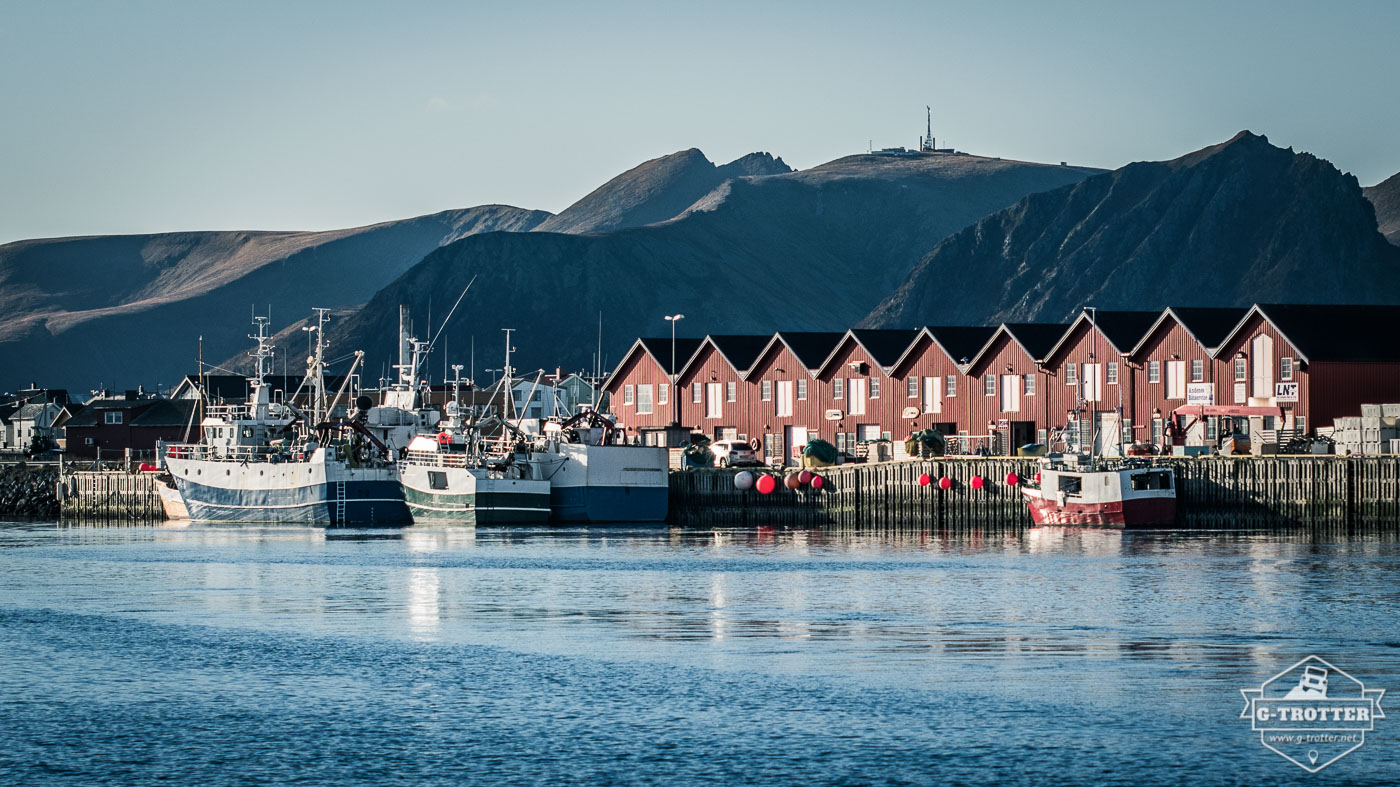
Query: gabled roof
1331,332
959,342
92,411
660,352
1122,329
1208,326
810,348
740,351
885,347
1034,338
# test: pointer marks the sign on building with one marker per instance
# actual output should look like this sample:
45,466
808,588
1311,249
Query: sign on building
1200,394
1285,392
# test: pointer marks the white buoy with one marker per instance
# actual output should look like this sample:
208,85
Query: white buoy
743,481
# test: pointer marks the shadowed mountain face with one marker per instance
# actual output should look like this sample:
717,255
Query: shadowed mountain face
1385,196
1229,225
809,250
129,309
655,191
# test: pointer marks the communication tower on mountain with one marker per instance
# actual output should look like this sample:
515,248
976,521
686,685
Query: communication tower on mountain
926,144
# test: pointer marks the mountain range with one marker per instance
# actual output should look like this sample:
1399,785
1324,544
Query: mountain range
747,246
1232,224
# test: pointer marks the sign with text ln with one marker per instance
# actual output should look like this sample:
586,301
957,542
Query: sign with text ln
1285,392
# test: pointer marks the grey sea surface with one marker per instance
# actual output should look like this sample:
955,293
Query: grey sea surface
647,655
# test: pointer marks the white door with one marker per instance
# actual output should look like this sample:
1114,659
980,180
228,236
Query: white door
796,439
1176,379
1261,354
856,392
784,398
1109,440
714,400
1093,382
933,393
1010,393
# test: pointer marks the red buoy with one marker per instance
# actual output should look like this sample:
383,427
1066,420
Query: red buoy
444,438
977,482
804,477
1037,477
1012,479
816,481
924,479
791,482
945,483
766,484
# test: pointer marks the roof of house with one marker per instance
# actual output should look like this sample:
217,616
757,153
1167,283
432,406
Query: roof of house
91,412
810,347
1123,329
166,413
660,351
1036,338
885,346
1333,333
961,342
1208,325
30,411
740,350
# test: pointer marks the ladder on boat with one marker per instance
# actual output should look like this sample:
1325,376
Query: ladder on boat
339,518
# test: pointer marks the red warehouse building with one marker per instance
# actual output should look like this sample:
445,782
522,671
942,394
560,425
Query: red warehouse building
1005,405
713,396
1087,385
863,403
640,387
787,405
930,376
1174,364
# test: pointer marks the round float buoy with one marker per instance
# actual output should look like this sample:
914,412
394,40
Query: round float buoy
977,482
1012,479
1037,477
444,438
804,477
766,484
791,482
743,481
945,483
925,479
816,481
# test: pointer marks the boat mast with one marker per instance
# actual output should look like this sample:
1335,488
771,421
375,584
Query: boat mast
1094,356
317,364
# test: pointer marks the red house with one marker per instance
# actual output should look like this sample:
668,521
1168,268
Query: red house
863,402
1174,364
1087,383
930,376
714,397
640,386
1005,406
785,403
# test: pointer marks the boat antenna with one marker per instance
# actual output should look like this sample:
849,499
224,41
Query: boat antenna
1094,353
445,320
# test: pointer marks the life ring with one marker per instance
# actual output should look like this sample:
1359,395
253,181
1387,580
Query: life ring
444,438
756,444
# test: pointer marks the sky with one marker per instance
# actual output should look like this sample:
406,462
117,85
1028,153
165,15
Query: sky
134,117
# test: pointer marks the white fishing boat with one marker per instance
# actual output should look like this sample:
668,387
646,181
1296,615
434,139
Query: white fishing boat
599,480
267,462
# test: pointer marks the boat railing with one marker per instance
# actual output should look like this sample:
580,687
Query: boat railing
233,453
436,459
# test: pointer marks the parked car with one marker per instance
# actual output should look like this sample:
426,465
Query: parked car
733,453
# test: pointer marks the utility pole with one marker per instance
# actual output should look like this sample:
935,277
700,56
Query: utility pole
675,395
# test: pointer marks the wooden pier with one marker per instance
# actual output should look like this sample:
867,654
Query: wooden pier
109,496
1212,493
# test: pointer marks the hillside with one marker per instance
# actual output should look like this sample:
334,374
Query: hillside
1385,196
129,309
655,191
814,249
1228,225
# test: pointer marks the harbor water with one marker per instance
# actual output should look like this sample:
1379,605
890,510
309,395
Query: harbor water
233,656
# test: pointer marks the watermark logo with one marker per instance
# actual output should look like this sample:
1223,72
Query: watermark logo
1312,714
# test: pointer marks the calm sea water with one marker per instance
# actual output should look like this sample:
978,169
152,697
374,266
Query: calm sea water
654,656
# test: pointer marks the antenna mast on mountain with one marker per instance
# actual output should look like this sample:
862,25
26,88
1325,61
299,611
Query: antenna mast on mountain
928,138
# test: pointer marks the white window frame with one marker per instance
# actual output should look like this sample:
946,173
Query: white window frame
663,394
989,384
766,390
644,399
1154,372
112,417
911,386
874,388
1071,374
1198,370
1285,368
801,389
950,387
1028,387
697,393
838,388
629,394
1111,373
1241,370
731,391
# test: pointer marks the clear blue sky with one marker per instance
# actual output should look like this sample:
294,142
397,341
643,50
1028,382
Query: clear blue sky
156,116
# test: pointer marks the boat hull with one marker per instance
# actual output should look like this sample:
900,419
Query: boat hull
609,483
1147,512
313,493
467,496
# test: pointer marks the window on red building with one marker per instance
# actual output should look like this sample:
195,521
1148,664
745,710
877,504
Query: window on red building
1071,374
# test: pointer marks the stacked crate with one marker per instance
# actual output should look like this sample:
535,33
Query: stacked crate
1375,432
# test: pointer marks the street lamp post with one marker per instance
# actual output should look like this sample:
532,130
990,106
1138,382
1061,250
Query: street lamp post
675,394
